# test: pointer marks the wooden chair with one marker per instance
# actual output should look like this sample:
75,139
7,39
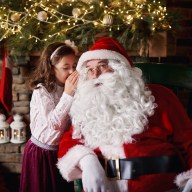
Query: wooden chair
176,77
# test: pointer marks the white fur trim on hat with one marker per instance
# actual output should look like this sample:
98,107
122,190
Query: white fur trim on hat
68,164
182,178
100,54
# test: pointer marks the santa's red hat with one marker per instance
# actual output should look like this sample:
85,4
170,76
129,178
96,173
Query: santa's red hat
105,48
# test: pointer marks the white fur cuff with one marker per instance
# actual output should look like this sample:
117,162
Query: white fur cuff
182,178
68,164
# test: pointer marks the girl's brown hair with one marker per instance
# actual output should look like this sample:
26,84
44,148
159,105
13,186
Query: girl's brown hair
44,72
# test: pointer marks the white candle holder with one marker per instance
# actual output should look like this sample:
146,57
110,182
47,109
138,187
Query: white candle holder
4,129
18,130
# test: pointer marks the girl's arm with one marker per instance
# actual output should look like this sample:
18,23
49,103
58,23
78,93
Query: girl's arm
45,113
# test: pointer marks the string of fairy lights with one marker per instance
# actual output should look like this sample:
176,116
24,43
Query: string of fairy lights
54,18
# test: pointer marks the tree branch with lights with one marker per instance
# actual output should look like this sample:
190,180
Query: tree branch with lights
29,25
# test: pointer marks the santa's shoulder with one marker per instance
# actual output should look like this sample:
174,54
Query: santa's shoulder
162,93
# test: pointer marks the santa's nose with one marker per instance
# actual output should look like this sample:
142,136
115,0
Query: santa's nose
96,73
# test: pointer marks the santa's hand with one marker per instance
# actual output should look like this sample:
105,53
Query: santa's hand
93,174
188,186
184,181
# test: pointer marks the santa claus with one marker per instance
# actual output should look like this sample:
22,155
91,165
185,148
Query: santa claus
125,136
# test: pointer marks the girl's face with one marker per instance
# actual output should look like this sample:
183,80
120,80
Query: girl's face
64,68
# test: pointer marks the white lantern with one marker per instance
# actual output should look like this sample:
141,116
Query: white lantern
18,130
4,129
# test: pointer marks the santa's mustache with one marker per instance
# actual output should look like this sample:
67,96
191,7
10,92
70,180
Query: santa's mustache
103,79
107,79
107,75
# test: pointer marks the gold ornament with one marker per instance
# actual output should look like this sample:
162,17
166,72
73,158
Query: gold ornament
76,12
90,1
115,3
108,20
61,1
139,1
15,17
129,19
42,16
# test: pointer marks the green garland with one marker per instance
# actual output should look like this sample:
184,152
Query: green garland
29,25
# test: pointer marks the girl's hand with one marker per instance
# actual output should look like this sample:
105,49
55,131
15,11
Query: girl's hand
71,83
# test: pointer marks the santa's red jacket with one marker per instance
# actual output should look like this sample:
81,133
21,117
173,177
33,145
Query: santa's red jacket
169,132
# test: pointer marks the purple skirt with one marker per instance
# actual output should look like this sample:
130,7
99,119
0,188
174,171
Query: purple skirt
39,171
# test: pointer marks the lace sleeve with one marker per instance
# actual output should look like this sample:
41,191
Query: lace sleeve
44,112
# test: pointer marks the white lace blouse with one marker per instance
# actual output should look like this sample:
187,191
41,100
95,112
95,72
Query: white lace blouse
49,114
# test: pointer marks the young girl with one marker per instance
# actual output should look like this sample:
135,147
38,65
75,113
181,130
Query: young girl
54,82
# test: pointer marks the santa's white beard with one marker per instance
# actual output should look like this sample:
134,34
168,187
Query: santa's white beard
105,111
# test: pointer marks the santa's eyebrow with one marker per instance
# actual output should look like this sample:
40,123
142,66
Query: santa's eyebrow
104,61
99,62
